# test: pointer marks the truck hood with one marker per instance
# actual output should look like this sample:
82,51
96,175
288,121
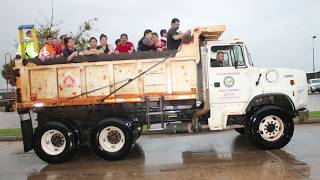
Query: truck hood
292,82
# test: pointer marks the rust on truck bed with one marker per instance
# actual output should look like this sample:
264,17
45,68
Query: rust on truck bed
88,81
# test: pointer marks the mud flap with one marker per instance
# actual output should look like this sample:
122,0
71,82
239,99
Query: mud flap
27,132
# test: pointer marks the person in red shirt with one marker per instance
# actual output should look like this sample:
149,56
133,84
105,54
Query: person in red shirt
124,46
60,46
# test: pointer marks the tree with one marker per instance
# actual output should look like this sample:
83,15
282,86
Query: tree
49,27
8,73
82,36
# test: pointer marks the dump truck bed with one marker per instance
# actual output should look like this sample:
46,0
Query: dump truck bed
59,85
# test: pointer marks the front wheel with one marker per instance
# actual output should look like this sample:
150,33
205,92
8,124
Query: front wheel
111,139
270,128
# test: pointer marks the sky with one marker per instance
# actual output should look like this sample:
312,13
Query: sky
277,33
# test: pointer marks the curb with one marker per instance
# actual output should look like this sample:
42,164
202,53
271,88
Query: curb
11,138
19,138
310,121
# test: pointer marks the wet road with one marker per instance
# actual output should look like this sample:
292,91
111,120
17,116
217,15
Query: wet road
223,155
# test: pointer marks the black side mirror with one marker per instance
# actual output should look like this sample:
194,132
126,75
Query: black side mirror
236,64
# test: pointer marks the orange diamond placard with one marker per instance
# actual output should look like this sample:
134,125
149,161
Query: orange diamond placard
69,81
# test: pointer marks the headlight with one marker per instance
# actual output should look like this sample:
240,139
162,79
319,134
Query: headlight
272,75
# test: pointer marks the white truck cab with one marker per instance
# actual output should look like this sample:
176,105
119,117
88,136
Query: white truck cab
239,88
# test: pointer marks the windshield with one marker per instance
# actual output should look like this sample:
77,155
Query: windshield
231,54
249,56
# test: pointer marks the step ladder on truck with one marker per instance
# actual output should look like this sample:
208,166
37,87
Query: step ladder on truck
25,114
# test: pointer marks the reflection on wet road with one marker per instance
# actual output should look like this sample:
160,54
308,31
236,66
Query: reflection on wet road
223,155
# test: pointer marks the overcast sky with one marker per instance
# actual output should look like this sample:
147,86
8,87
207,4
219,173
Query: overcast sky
278,33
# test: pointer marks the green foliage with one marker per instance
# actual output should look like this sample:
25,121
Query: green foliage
10,132
82,36
8,74
315,114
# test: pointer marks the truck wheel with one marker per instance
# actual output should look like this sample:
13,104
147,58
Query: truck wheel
270,128
111,140
241,131
54,142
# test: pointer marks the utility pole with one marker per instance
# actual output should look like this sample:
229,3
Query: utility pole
313,68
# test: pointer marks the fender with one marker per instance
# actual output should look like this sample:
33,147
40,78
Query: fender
278,99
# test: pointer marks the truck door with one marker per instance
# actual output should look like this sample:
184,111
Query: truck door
229,86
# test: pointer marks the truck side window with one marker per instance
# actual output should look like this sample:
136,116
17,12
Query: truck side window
228,55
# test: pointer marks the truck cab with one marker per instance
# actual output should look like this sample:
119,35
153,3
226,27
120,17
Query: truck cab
242,95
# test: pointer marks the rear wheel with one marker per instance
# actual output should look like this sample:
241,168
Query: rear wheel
54,142
111,139
270,128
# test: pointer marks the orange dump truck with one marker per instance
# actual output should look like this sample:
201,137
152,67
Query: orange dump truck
105,101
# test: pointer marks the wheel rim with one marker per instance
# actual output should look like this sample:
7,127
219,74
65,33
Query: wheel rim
53,142
271,128
111,139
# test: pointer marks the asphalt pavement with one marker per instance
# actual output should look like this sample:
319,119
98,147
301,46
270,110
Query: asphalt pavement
222,155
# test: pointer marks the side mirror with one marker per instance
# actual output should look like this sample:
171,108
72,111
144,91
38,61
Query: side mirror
236,64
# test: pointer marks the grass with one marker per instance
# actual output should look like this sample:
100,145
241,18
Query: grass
315,114
10,132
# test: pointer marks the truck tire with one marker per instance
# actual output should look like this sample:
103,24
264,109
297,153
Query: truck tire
241,131
54,142
270,127
111,139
